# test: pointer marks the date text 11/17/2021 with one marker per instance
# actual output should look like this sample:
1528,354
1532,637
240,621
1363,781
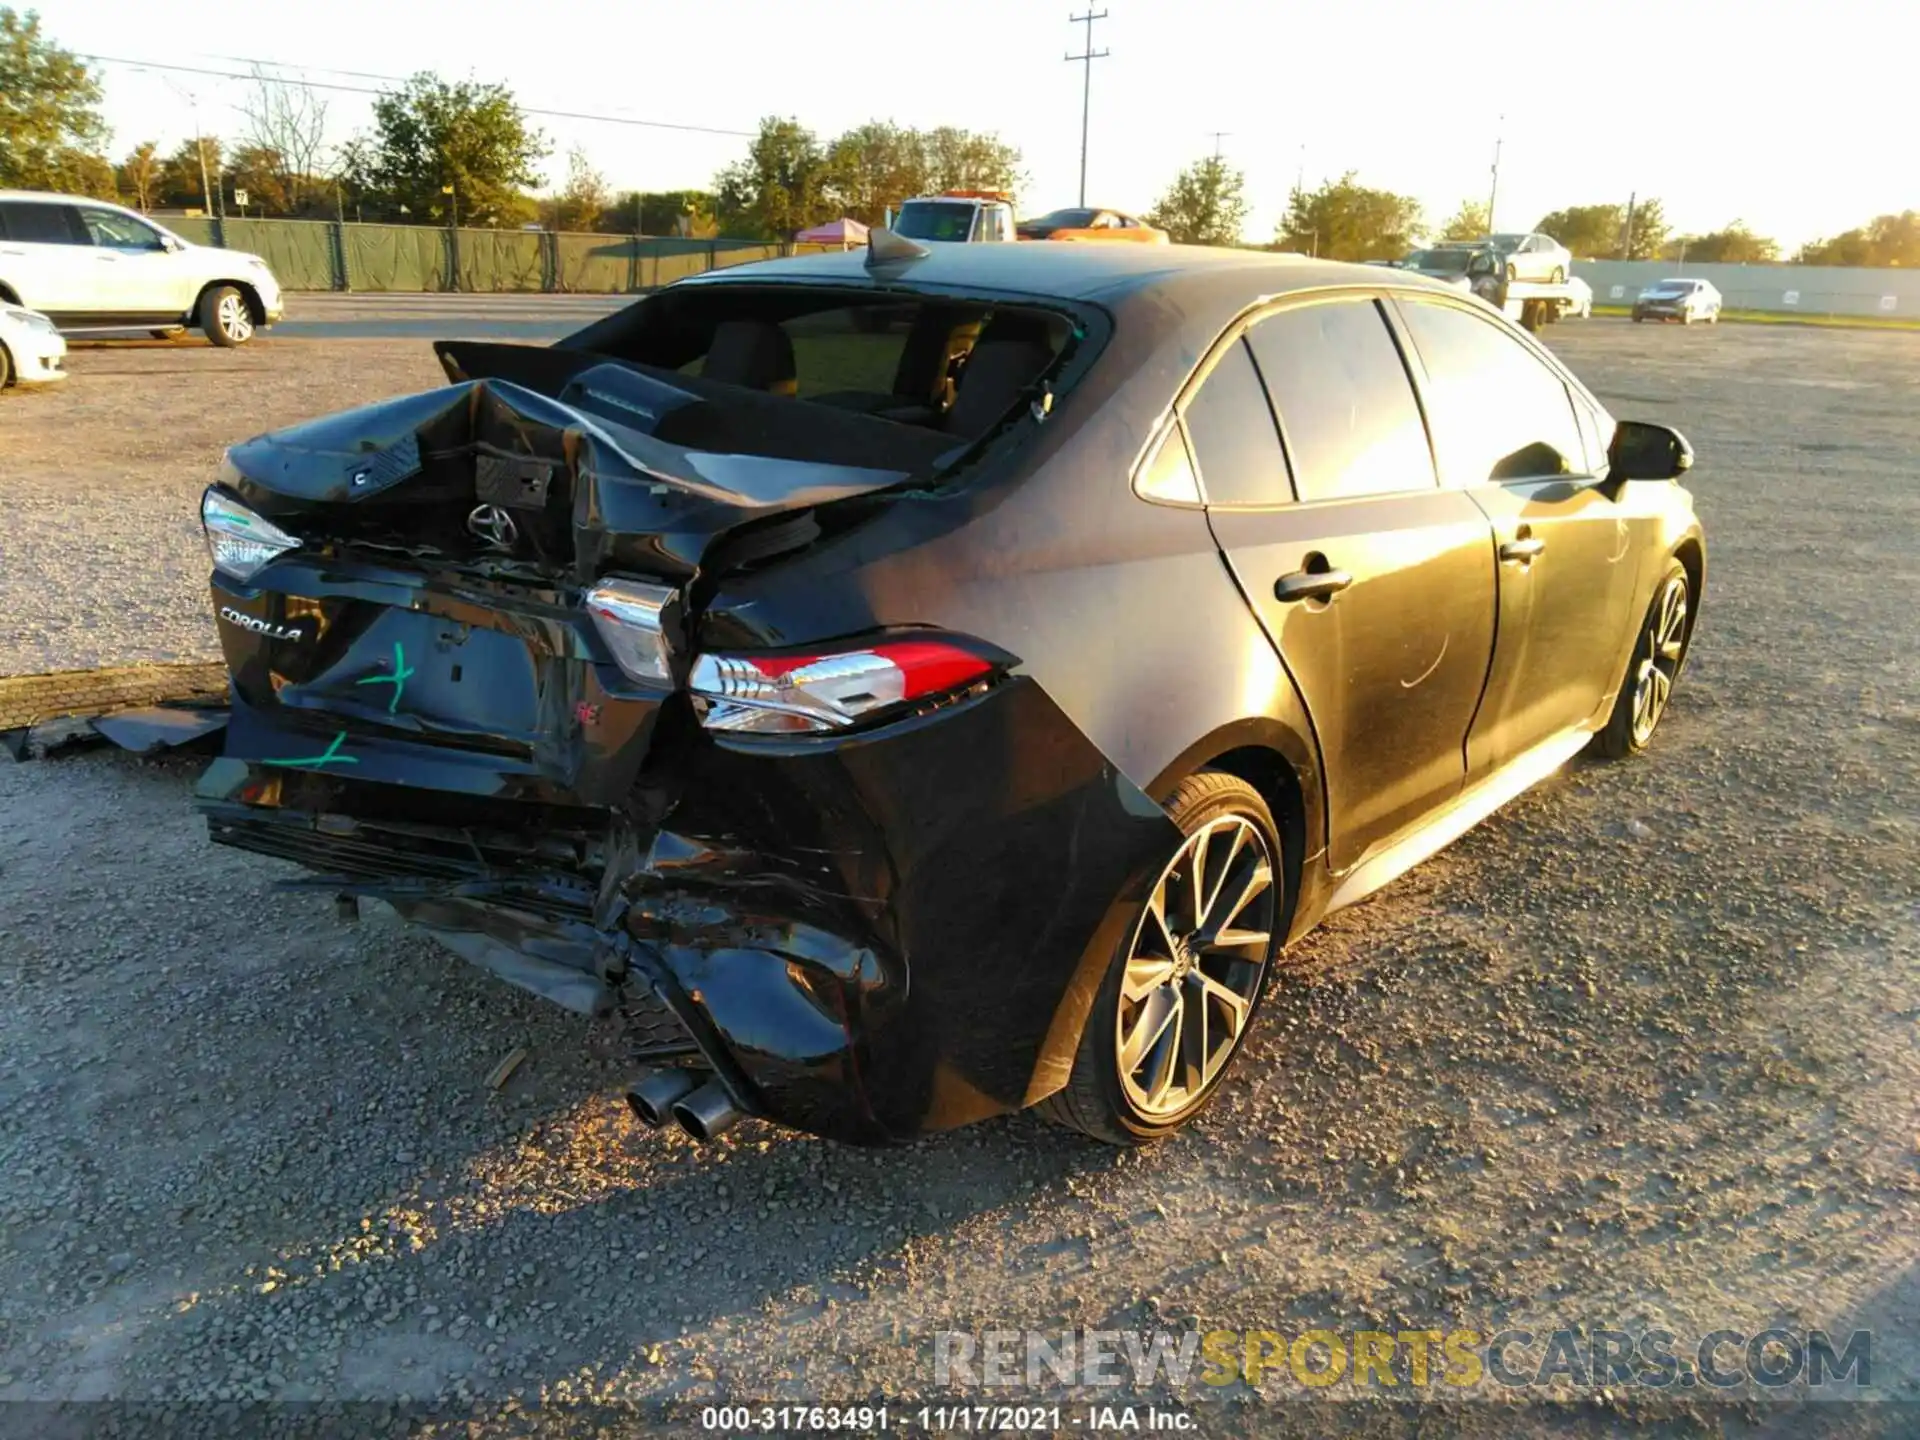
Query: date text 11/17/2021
943,1419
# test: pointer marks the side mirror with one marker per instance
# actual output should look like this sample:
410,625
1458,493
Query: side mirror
1644,451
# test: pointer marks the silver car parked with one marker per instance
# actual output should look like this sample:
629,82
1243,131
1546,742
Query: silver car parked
1679,299
1535,257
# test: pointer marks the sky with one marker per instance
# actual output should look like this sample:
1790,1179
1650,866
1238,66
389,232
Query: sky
1796,120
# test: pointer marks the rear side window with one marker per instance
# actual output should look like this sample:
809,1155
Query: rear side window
1234,443
1497,410
1346,406
33,224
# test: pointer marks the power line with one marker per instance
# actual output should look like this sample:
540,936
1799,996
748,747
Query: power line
368,90
1086,87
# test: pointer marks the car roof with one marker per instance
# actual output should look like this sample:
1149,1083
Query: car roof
51,195
1072,272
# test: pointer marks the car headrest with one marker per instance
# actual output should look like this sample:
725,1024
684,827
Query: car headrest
755,354
997,371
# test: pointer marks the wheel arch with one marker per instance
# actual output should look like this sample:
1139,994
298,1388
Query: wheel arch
255,306
1282,763
10,296
1691,552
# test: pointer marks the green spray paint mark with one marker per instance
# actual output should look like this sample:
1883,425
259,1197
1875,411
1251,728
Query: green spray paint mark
330,756
401,674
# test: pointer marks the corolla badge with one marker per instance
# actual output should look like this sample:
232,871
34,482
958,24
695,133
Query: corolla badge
493,525
258,626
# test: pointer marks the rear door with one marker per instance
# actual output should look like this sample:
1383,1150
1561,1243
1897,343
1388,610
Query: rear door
46,257
1375,585
1506,434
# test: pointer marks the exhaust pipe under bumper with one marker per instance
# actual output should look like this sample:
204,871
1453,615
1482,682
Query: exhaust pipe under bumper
705,1112
653,1095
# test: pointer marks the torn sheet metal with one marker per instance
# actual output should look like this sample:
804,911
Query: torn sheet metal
159,727
142,708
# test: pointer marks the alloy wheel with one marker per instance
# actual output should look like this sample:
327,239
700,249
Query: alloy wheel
233,318
1195,967
1664,645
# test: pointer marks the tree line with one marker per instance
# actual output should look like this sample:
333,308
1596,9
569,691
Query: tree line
452,152
463,152
1342,219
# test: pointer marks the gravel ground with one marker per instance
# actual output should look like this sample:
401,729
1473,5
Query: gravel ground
1643,1049
101,558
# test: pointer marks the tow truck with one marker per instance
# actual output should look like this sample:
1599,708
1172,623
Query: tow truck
1534,305
955,216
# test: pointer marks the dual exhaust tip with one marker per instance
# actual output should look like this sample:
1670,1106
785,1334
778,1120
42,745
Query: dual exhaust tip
680,1097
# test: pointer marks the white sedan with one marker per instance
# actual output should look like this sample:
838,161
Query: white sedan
31,350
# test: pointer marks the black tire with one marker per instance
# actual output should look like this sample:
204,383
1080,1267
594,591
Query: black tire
1559,275
1513,273
224,316
1095,1099
1624,734
6,368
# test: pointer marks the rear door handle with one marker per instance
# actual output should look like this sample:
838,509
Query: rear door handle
1522,549
1310,585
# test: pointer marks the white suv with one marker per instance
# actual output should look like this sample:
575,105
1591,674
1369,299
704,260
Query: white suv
94,266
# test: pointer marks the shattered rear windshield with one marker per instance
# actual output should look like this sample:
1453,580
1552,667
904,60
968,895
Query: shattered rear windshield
807,371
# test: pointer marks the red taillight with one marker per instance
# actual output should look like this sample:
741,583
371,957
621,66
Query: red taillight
782,694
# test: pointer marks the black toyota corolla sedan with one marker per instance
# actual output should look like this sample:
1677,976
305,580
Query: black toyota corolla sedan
913,686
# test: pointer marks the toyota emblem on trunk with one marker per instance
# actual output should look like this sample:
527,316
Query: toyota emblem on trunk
493,525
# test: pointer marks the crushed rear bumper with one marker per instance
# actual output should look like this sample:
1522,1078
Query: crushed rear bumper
866,936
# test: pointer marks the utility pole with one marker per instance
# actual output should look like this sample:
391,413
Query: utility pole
1218,136
1300,172
1494,193
200,144
1626,239
1086,86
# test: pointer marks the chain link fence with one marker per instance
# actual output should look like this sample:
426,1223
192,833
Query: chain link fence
328,255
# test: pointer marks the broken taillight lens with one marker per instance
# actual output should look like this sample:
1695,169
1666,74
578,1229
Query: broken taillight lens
629,618
789,694
240,542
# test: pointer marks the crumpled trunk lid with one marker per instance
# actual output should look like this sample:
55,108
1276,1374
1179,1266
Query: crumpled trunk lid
517,482
429,631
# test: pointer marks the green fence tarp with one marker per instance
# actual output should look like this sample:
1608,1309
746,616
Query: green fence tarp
299,252
502,260
323,255
596,264
398,257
